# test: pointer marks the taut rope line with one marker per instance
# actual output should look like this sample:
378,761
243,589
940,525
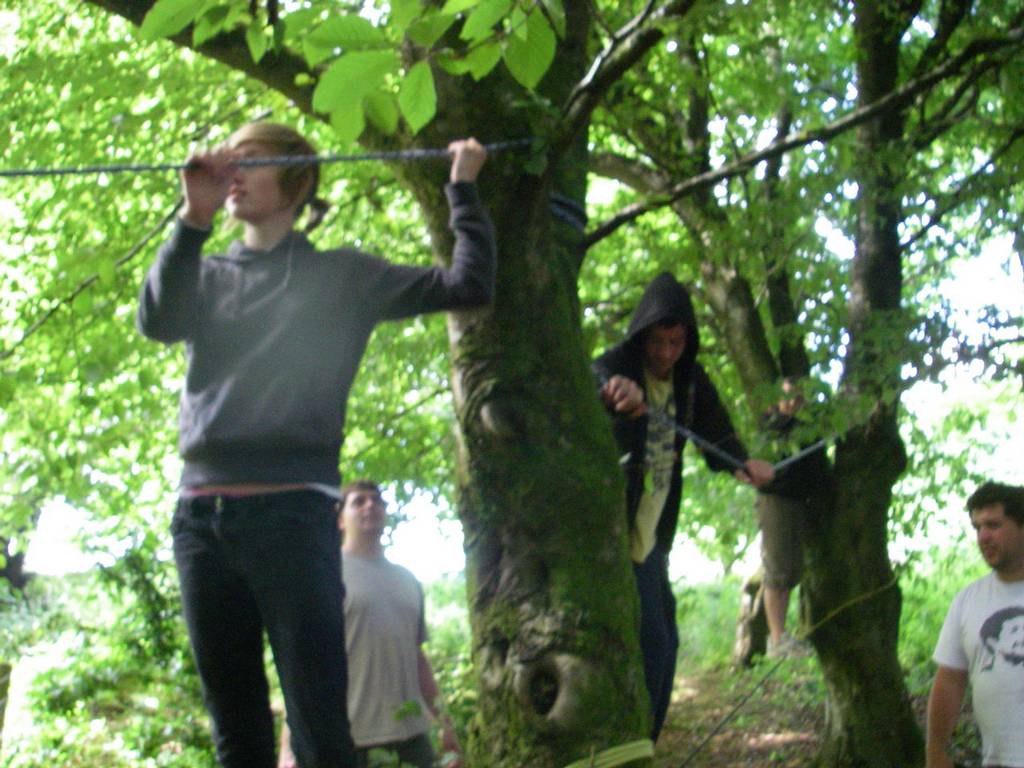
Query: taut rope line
252,162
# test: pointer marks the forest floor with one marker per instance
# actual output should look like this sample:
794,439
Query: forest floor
778,725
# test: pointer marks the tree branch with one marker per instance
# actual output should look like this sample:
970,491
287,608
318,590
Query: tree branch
951,110
277,70
897,99
625,49
951,14
633,173
84,285
956,197
397,417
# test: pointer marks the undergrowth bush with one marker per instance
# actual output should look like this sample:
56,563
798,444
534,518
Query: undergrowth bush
928,590
448,648
706,617
124,693
123,697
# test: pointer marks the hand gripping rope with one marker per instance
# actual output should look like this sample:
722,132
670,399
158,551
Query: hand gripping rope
252,162
705,445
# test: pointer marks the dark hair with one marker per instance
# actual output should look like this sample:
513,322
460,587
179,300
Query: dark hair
362,484
1010,496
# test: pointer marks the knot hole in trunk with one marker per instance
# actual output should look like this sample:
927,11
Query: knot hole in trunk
552,689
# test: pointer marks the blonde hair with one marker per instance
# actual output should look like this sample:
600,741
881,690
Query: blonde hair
297,182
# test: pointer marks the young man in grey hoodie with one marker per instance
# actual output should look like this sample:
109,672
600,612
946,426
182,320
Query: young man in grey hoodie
656,368
273,332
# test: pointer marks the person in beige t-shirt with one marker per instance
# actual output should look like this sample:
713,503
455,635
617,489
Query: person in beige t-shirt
392,693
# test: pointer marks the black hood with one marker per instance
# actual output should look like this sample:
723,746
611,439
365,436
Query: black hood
665,298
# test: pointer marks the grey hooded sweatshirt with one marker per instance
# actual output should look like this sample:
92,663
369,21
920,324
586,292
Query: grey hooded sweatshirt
274,338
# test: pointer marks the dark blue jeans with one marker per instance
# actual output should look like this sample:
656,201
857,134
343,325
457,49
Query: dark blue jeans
271,562
659,636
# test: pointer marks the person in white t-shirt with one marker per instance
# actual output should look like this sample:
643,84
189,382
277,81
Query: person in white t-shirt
982,639
391,685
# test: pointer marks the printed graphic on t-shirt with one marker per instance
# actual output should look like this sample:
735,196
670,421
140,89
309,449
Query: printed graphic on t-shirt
660,455
1002,640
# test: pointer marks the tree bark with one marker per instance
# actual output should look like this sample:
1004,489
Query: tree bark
552,598
752,624
5,689
850,590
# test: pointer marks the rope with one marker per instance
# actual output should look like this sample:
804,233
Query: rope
669,422
616,756
252,162
804,634
732,713
795,457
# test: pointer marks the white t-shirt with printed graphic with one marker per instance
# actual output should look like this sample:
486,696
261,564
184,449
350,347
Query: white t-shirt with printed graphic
659,458
984,635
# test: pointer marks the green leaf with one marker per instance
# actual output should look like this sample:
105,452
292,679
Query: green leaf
427,30
348,119
277,36
458,6
347,33
478,62
299,21
303,79
483,59
528,60
381,110
517,23
169,17
403,13
315,54
537,164
481,21
210,24
94,371
417,98
7,390
453,65
407,709
107,271
256,39
556,14
351,77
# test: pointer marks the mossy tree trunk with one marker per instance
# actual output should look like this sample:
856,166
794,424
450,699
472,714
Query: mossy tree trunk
850,585
869,718
552,598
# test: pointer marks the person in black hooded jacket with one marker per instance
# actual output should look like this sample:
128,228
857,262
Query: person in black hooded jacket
656,368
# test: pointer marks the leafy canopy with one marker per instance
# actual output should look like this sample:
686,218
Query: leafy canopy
360,73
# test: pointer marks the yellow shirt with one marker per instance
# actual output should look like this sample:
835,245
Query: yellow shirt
659,458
